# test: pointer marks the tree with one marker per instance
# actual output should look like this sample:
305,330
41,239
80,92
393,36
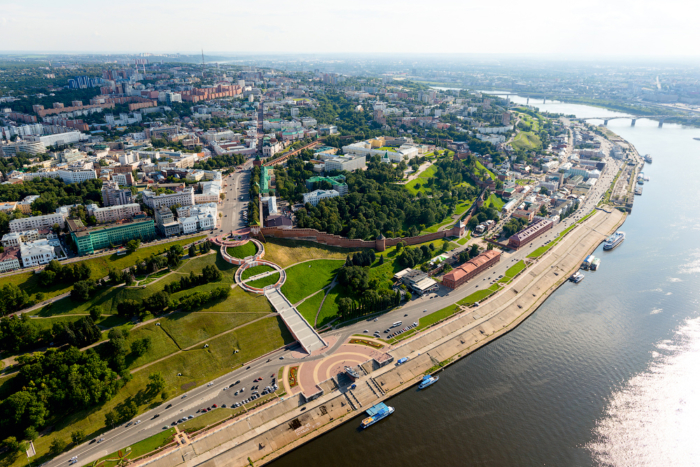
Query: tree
31,434
111,418
156,383
95,312
133,245
141,346
57,446
77,436
82,290
192,252
12,445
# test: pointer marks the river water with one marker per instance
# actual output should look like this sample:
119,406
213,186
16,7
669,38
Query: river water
605,373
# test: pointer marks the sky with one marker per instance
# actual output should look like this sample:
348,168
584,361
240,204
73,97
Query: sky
576,28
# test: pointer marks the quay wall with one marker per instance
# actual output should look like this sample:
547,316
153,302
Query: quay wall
273,430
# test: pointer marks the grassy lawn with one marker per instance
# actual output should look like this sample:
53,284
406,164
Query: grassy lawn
421,180
479,295
523,181
143,447
460,209
427,321
242,251
495,202
307,278
285,253
329,311
482,169
187,329
203,420
310,307
463,241
513,271
255,270
197,367
387,148
526,140
265,281
29,282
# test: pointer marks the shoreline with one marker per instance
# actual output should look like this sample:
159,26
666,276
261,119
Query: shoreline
267,434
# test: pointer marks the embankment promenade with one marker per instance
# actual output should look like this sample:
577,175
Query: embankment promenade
264,434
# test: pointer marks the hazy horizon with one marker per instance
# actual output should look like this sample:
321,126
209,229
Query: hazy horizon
541,28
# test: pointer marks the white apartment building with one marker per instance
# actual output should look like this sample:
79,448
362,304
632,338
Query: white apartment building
77,175
37,222
183,198
314,197
113,213
348,163
36,253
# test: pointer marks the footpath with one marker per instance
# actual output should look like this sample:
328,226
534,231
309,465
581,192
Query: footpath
264,434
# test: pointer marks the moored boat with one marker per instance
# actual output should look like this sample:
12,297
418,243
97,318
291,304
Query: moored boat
376,413
614,240
427,381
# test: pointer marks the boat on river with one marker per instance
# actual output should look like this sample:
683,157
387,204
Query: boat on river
614,240
428,380
377,413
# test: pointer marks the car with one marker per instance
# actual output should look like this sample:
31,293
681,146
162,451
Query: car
425,311
190,416
365,331
100,440
137,422
129,424
223,406
215,406
281,358
165,427
156,416
94,440
242,389
184,396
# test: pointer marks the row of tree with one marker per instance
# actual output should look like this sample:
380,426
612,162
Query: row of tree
372,301
209,274
198,299
55,272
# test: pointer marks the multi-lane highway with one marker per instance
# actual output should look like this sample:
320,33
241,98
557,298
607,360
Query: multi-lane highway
267,367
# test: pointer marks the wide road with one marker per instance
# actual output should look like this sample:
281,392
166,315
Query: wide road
236,202
268,366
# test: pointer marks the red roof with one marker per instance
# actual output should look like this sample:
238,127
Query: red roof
472,265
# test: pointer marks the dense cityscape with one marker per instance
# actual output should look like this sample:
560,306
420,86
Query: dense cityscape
311,234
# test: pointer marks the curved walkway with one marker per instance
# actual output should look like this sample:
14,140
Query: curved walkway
302,331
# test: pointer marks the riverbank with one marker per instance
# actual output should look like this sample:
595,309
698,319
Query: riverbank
270,432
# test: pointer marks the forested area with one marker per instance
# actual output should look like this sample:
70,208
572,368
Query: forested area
220,162
54,193
373,206
54,383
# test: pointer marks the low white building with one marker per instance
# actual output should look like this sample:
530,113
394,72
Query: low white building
210,192
197,218
36,253
348,163
15,239
316,196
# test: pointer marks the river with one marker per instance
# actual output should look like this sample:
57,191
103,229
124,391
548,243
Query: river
606,372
